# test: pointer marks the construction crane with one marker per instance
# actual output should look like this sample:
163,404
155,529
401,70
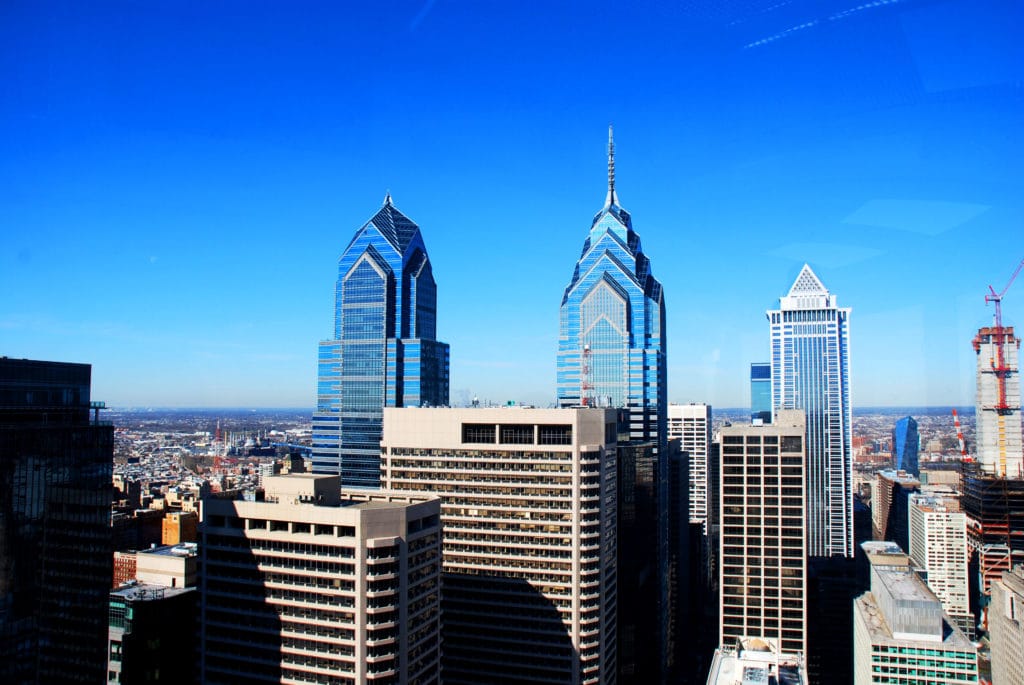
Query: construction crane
1000,337
960,437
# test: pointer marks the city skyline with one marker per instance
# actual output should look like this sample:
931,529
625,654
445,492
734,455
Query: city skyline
178,193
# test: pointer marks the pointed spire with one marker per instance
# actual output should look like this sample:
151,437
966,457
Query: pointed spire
387,199
612,198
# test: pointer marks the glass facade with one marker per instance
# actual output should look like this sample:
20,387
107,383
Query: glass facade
611,344
905,444
761,392
810,371
384,351
56,465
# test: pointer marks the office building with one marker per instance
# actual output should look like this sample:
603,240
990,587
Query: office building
528,508
1006,628
890,505
763,572
905,444
938,545
691,425
152,635
56,463
384,352
810,355
180,526
611,342
756,661
997,403
901,634
316,584
761,392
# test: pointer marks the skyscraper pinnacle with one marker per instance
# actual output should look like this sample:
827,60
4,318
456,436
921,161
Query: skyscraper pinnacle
612,198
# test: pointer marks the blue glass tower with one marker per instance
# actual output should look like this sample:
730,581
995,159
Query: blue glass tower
384,351
905,443
810,371
611,344
761,392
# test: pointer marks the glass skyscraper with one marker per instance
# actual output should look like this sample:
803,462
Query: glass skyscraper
761,392
384,352
611,344
810,371
905,444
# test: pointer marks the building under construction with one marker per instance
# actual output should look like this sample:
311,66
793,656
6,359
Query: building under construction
992,486
995,523
998,402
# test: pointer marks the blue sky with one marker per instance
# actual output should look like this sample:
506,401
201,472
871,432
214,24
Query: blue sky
177,181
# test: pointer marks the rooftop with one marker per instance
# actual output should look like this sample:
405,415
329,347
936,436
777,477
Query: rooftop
134,591
866,608
756,662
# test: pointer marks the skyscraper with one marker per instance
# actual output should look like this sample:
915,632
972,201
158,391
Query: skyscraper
905,443
997,404
611,344
810,371
384,352
691,424
938,544
528,510
763,574
761,392
56,462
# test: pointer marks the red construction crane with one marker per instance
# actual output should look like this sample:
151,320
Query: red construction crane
1000,336
585,386
960,437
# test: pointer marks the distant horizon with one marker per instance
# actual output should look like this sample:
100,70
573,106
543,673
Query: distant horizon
959,408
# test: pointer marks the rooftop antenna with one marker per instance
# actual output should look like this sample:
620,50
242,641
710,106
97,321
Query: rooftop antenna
612,198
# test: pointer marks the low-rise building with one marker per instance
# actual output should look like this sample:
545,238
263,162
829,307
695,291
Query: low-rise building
902,635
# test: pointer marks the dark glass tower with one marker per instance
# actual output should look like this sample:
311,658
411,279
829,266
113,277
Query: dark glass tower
905,443
56,464
384,352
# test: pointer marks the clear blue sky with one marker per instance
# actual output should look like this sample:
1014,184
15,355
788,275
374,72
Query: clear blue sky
178,179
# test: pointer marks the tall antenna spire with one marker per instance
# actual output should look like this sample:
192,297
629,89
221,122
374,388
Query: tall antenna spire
612,198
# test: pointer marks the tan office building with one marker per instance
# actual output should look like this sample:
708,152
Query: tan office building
317,585
763,574
528,509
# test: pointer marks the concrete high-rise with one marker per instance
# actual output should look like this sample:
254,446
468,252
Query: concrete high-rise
810,356
905,443
997,403
384,352
889,505
691,425
763,571
528,508
901,634
1006,628
56,463
316,584
938,545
